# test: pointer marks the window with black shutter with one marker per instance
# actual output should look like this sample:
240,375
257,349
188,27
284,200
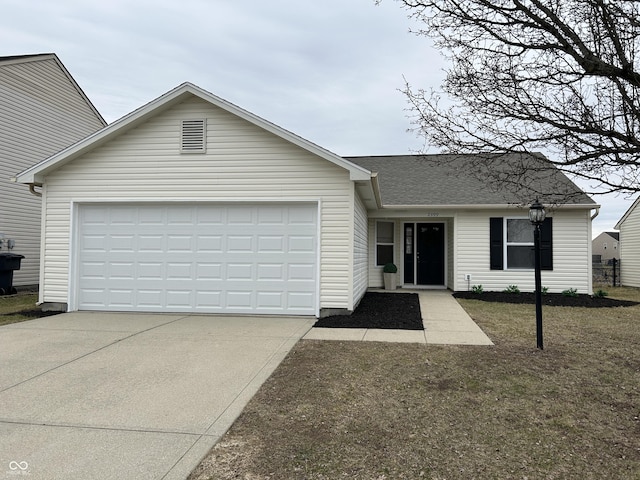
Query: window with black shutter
512,246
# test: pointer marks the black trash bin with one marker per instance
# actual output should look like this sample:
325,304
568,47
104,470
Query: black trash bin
8,263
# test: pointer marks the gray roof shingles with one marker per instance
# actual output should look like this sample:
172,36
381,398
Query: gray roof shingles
495,179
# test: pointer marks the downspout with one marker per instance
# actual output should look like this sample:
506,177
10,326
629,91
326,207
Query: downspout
32,189
597,209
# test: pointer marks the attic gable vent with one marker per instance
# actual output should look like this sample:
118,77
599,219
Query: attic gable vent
194,136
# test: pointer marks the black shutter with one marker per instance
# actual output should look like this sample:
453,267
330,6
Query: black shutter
546,241
496,249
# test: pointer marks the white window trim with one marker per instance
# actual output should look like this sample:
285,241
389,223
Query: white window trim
506,244
393,244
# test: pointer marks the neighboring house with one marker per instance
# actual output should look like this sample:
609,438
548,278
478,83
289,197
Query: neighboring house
191,204
605,247
629,226
42,111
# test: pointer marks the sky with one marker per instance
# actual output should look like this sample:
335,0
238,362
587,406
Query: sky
330,71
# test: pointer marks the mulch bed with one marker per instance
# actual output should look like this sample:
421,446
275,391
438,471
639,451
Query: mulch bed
33,313
380,310
551,299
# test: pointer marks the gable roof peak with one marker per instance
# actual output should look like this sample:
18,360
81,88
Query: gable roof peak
36,173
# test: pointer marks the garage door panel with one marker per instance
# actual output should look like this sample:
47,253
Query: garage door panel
271,271
95,243
122,270
94,297
121,297
240,215
301,244
240,244
271,300
209,244
240,299
204,258
298,300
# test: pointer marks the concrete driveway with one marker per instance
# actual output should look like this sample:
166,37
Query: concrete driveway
105,395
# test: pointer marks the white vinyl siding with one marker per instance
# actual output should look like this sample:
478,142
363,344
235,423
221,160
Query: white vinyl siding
360,251
629,250
242,163
41,112
571,257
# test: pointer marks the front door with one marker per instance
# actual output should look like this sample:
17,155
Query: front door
430,254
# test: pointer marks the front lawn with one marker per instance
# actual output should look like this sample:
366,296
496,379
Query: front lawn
404,411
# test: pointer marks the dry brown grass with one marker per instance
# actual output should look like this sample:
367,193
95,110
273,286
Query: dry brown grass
11,305
401,411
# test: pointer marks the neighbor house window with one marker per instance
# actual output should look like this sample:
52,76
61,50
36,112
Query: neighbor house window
511,244
384,243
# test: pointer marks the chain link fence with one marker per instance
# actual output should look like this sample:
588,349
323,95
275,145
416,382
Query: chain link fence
607,273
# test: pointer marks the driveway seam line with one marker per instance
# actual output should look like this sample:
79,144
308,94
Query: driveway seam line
89,353
95,427
250,382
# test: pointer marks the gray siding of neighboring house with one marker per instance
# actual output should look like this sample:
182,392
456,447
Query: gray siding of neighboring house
42,111
606,247
630,247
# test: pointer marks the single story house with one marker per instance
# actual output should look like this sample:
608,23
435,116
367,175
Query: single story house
42,111
605,247
629,226
192,204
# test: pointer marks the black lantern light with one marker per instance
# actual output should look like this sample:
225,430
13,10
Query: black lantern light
537,215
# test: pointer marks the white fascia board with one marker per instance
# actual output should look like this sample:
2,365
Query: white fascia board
356,172
489,206
36,173
627,213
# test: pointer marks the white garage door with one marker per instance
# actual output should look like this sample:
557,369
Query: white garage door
198,258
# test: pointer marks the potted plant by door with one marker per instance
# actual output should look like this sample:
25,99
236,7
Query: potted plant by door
390,278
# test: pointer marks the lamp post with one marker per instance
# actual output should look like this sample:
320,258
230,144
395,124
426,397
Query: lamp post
537,216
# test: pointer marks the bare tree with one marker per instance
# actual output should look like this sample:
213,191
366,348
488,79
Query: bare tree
557,76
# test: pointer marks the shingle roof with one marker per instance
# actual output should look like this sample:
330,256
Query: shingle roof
23,57
471,180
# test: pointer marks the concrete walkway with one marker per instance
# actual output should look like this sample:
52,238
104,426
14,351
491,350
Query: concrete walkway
445,323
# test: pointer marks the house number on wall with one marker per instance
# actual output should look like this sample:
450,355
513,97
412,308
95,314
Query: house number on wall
432,214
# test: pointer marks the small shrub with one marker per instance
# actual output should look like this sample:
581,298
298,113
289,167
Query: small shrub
390,268
477,289
545,290
512,289
570,292
600,294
